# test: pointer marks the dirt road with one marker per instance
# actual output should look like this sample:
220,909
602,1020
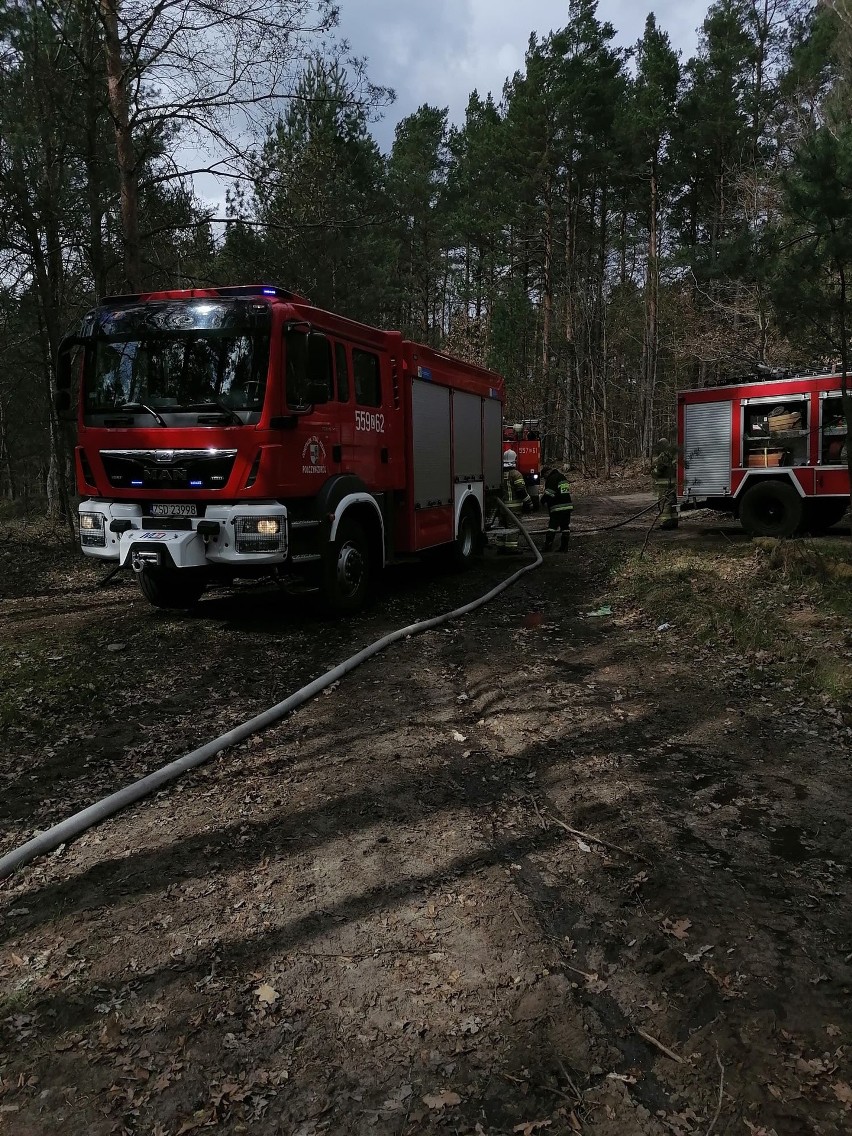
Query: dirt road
564,866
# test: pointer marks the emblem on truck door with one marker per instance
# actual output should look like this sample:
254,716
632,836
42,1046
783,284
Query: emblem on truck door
313,456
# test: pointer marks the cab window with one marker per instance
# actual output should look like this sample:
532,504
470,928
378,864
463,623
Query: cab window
368,387
342,367
296,364
300,394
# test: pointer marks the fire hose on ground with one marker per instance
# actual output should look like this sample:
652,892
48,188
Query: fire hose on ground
608,528
79,822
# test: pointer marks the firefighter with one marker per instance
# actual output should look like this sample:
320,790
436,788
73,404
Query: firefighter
515,496
664,473
557,498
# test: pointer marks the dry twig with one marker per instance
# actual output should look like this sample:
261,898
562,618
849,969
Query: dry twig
597,839
567,1077
662,1048
541,819
721,1090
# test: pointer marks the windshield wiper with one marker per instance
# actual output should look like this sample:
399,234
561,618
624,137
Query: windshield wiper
227,410
145,406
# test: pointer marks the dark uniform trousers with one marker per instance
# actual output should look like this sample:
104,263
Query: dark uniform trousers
557,498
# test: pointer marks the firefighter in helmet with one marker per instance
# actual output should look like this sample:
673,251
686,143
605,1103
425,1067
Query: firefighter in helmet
557,498
664,473
515,496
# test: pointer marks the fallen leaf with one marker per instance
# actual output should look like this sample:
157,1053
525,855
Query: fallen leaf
441,1100
267,995
198,1119
678,929
395,1102
532,1126
583,846
701,951
457,737
843,1093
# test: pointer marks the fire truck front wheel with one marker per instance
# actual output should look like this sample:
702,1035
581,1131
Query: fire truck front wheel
170,587
771,508
347,568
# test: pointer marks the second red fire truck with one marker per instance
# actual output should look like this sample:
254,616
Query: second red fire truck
524,438
241,431
772,450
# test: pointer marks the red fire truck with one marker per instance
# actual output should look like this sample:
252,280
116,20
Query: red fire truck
241,431
524,439
770,450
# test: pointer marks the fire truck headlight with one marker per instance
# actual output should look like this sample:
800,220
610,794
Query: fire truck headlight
92,530
260,534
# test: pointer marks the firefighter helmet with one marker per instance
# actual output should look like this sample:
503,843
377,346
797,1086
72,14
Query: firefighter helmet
510,459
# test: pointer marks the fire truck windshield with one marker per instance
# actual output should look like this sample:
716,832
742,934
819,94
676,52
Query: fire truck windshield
165,358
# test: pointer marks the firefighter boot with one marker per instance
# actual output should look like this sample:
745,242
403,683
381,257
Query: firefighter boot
548,541
563,541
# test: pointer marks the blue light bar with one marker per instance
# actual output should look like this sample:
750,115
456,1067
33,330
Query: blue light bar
137,483
196,484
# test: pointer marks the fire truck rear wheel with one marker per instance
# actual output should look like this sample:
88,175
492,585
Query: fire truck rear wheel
468,542
347,570
170,587
771,508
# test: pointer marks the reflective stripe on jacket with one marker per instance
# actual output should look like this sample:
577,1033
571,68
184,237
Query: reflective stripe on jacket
557,492
515,491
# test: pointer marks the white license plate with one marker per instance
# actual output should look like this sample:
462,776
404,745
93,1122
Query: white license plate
174,510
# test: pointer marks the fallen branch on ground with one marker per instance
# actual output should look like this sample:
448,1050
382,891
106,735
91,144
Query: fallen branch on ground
662,1048
597,839
721,1091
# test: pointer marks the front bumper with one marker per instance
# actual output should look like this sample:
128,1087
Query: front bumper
178,548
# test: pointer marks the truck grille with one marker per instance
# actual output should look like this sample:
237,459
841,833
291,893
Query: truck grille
168,469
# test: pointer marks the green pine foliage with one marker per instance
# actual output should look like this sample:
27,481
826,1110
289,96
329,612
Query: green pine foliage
611,227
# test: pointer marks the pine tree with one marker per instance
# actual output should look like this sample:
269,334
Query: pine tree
417,186
318,198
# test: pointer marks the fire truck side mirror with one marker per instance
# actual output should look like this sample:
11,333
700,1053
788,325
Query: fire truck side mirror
64,405
319,368
67,369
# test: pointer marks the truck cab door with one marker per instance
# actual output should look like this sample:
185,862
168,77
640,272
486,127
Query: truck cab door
314,453
367,420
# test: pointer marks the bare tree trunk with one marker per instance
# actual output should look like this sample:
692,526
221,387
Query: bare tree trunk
568,321
119,105
7,471
650,345
845,393
547,307
94,182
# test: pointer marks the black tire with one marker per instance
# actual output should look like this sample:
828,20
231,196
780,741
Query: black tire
820,515
468,543
771,508
171,587
346,576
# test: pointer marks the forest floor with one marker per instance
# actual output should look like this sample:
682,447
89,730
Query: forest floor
578,862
